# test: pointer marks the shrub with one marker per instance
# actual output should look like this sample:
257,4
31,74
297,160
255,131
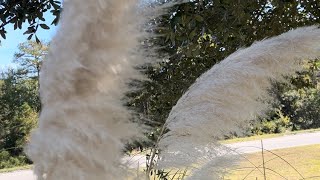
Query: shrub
8,161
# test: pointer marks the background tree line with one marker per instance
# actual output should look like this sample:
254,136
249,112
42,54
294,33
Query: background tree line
193,37
19,102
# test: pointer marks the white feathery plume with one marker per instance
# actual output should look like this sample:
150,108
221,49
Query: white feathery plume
224,98
83,123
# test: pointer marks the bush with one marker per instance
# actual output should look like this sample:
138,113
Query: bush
268,126
8,161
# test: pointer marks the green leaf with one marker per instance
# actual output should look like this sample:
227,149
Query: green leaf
42,18
20,24
30,36
55,5
37,39
3,34
44,26
55,21
30,30
193,34
198,18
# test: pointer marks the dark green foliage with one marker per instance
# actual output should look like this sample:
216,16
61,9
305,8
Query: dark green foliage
17,12
300,98
8,161
19,106
296,103
275,122
198,34
20,103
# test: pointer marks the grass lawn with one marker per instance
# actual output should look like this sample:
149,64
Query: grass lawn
291,164
266,136
305,159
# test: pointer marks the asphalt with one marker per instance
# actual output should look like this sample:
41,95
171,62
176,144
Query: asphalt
241,147
282,142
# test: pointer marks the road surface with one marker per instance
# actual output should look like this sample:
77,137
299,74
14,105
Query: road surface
286,141
18,175
242,147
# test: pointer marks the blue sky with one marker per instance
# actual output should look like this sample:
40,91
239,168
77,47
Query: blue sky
14,37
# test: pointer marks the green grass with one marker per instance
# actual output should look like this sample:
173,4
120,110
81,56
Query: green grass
305,159
266,136
15,168
290,163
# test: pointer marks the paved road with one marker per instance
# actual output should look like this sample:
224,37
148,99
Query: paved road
18,175
242,147
286,141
